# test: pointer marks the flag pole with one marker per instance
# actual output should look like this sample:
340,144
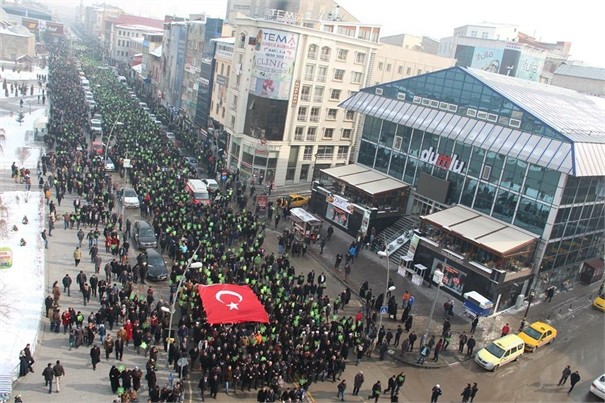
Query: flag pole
192,264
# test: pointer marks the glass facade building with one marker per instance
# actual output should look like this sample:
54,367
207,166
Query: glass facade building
527,154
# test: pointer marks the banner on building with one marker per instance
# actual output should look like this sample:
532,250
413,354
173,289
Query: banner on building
275,53
54,27
30,24
453,279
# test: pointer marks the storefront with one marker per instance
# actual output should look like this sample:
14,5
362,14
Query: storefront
254,158
526,154
357,199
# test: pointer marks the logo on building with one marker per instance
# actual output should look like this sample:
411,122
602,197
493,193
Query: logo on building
444,161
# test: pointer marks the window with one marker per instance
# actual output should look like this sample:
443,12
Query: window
311,133
302,113
305,93
473,34
314,114
234,103
419,71
304,172
309,72
408,71
339,74
342,54
350,115
380,65
389,67
308,153
328,133
312,54
400,70
356,77
343,152
299,133
325,54
325,152
360,58
322,71
346,133
397,143
332,114
335,95
319,94
484,35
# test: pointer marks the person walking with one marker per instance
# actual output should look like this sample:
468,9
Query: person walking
564,375
108,346
77,256
48,375
474,391
376,389
95,356
438,348
338,260
474,324
342,386
550,292
505,330
359,379
330,232
58,372
574,378
466,393
322,245
67,284
44,238
462,339
435,393
81,236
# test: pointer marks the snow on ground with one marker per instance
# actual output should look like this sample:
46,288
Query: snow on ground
15,137
11,75
22,285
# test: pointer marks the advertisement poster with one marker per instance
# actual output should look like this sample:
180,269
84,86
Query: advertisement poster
453,279
31,24
54,27
413,245
338,216
365,222
6,257
529,67
275,52
487,59
261,201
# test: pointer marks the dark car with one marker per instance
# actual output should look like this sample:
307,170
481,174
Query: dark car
143,236
156,266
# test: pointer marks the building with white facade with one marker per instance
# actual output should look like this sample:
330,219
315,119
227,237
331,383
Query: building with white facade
95,16
278,98
118,31
585,79
291,10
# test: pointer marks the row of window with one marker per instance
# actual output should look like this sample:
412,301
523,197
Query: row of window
320,74
310,133
408,71
315,114
128,34
341,55
325,152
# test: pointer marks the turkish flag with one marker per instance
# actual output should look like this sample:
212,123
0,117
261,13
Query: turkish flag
230,303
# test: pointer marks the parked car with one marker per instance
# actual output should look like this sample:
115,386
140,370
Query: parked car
501,351
143,236
130,198
97,147
599,302
211,184
297,200
192,162
598,387
537,334
156,266
109,165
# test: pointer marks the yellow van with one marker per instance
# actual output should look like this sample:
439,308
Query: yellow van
500,352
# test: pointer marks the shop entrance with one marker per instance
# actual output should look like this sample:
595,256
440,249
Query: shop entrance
423,206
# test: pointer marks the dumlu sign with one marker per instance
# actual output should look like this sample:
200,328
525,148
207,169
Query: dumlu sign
450,163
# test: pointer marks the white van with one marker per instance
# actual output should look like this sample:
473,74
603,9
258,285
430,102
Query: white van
198,192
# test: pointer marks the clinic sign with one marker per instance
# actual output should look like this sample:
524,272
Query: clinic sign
274,56
444,161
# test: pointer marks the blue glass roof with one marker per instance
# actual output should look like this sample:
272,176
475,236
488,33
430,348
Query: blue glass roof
550,126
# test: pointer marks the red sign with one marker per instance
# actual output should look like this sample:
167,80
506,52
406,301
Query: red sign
230,303
262,200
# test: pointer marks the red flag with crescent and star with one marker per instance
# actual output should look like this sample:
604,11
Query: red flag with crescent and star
230,303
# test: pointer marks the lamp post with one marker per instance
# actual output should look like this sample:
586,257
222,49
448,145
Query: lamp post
191,265
384,253
437,278
115,123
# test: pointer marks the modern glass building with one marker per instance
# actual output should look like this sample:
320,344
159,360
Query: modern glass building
529,155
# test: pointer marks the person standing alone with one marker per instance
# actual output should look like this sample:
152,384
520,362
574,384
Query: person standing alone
435,393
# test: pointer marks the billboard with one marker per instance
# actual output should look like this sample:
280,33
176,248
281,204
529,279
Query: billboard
54,27
487,59
529,67
453,279
30,24
274,56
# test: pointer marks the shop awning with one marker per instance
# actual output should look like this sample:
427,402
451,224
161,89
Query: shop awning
366,179
486,231
304,215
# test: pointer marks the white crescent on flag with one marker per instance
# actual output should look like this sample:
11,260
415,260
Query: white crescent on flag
231,305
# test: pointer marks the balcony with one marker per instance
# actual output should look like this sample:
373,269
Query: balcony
314,118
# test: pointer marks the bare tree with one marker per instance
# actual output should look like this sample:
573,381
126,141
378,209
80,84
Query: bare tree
6,304
23,154
2,140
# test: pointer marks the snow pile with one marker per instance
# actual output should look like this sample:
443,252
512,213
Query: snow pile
22,285
15,137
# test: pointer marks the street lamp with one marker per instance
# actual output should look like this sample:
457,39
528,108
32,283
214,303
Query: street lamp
437,278
117,122
191,265
384,253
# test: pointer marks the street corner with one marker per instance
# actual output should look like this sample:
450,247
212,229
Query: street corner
411,358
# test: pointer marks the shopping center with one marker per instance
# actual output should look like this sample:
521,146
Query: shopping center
520,165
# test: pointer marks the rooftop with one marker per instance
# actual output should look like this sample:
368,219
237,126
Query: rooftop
127,19
592,73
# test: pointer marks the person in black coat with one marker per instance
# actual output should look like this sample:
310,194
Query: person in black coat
203,385
137,374
126,379
114,378
214,384
95,356
151,378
